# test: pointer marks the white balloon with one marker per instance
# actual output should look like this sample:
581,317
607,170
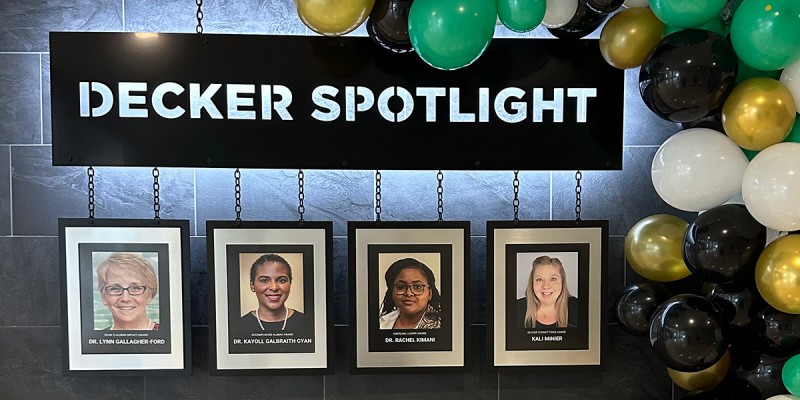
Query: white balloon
771,187
783,397
636,3
698,168
790,77
559,12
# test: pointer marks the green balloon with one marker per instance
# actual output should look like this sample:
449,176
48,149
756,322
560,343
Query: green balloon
746,72
686,13
749,153
791,375
766,33
521,15
794,134
451,34
715,24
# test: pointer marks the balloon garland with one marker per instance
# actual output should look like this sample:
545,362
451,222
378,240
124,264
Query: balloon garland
729,72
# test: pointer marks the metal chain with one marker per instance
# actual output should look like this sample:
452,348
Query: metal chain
378,196
90,172
516,197
199,28
156,201
237,176
578,177
440,192
300,195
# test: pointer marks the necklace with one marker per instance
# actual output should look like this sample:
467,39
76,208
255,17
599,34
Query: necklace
285,318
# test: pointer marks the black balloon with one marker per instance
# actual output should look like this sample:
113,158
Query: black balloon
584,22
713,121
764,373
603,6
723,244
637,303
388,25
778,332
739,304
688,75
687,333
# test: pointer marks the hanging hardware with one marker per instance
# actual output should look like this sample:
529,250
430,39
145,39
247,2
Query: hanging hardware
300,195
378,196
237,176
578,177
156,200
440,192
516,197
199,28
90,173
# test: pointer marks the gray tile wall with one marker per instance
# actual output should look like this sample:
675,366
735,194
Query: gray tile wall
34,194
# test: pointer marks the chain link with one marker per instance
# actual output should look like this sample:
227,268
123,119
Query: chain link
516,197
90,173
578,177
440,192
199,28
156,200
378,196
300,195
237,176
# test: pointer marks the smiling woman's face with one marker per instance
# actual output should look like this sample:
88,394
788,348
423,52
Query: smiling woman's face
272,285
547,283
126,309
409,303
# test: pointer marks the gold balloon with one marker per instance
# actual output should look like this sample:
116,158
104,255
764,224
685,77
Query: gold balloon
654,247
778,274
704,379
333,17
628,37
758,113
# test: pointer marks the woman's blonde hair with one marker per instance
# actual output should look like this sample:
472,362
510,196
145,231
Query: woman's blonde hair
132,263
562,302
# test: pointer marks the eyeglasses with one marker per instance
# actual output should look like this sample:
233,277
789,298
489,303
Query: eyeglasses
132,290
402,288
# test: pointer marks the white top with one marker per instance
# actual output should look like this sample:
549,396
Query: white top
387,321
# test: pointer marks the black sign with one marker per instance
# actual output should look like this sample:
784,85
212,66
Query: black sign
168,99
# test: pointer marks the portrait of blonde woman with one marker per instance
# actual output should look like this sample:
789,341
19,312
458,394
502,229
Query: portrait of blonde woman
128,284
547,302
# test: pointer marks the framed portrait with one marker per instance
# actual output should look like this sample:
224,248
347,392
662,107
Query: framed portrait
271,304
125,297
546,293
409,290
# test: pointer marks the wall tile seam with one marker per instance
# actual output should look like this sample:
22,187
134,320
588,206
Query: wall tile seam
29,145
30,236
28,326
203,236
41,101
627,146
25,52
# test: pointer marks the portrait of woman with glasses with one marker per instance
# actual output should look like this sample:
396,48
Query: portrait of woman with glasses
412,300
128,284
